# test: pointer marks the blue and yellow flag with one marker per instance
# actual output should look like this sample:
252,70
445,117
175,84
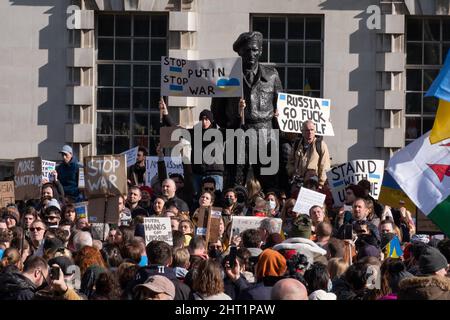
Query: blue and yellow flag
393,249
440,89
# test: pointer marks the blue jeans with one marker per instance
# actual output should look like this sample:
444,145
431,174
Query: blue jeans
198,182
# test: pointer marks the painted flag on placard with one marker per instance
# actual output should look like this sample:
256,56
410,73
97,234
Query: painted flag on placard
422,170
393,249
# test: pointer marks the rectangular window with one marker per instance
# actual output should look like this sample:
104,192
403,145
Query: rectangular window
427,44
294,45
129,50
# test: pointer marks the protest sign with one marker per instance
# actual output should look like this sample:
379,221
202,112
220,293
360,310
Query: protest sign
214,226
81,183
203,220
27,178
81,209
240,224
47,168
424,225
173,165
165,134
201,78
293,110
100,211
158,229
351,173
6,193
131,156
308,198
105,176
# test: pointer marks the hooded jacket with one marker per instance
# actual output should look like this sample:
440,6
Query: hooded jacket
68,176
15,286
425,288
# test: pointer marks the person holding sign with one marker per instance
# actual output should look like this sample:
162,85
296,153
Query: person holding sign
136,172
309,153
258,104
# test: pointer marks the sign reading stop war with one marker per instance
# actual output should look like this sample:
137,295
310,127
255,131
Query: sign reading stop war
27,178
201,78
293,110
105,176
158,229
351,173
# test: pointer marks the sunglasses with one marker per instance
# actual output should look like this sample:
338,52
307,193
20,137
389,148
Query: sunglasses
36,229
208,189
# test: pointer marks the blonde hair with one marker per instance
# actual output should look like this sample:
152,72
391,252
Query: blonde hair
253,187
336,267
181,258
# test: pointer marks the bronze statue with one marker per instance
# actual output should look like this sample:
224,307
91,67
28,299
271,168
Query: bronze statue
261,86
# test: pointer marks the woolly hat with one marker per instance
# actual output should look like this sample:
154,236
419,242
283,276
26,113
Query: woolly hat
322,295
12,213
270,263
431,260
302,227
206,113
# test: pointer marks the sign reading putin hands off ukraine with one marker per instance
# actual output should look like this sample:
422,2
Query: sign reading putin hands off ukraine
201,78
293,110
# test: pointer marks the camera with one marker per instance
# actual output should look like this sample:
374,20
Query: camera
54,273
297,181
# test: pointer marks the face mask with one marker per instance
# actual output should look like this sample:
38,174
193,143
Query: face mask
228,202
272,204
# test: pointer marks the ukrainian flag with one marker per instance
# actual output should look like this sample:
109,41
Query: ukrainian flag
391,194
441,90
393,249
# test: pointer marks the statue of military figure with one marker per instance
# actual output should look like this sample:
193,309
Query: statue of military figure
258,106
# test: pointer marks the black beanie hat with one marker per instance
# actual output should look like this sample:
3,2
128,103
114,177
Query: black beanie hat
431,260
206,113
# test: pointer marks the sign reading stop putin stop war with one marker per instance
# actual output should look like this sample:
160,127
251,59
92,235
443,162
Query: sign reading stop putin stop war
105,176
201,78
293,110
351,173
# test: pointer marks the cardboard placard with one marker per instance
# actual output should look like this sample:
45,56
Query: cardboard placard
27,178
105,176
308,198
165,134
81,209
351,173
240,224
203,221
214,226
81,182
424,225
158,229
201,78
6,193
293,110
96,210
131,156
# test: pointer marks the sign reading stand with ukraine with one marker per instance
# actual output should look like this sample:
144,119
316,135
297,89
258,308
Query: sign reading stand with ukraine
201,78
293,110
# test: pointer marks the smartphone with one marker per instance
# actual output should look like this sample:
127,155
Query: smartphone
348,231
54,273
232,256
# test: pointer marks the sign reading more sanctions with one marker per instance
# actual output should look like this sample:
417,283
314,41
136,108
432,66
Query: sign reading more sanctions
293,110
351,173
158,229
27,178
201,78
240,224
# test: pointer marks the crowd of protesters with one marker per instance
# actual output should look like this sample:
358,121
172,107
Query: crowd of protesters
48,252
